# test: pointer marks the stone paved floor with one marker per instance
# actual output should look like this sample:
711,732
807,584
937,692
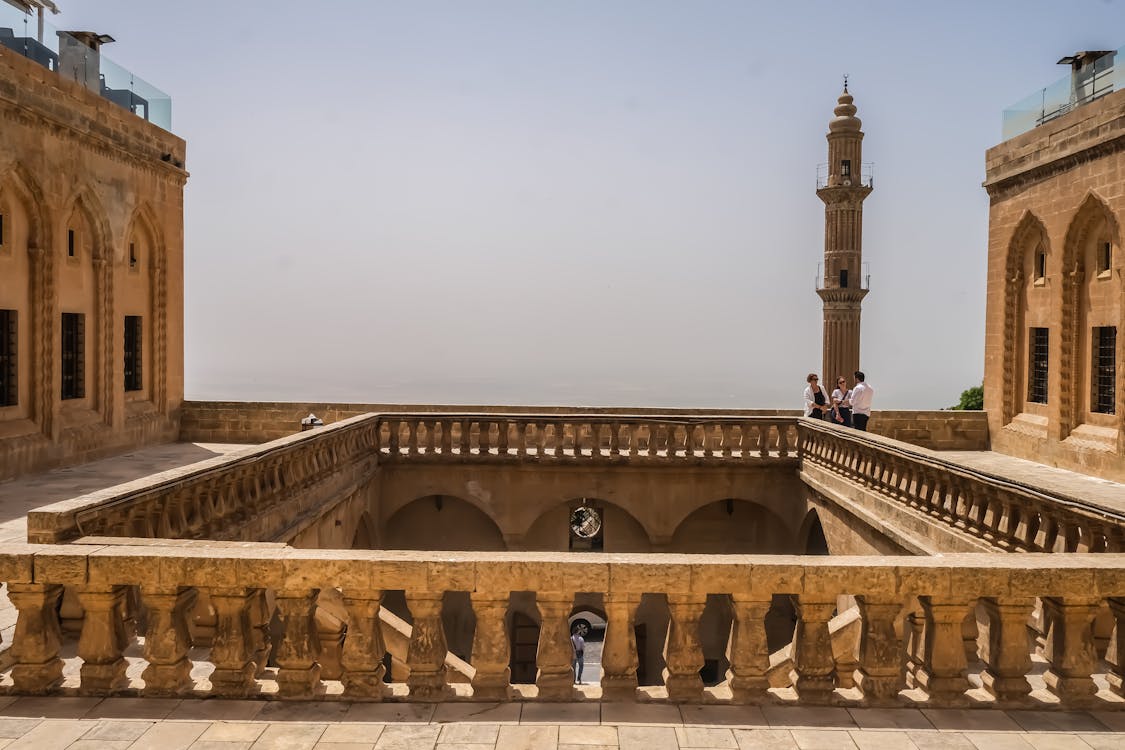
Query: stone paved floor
1101,492
18,496
158,724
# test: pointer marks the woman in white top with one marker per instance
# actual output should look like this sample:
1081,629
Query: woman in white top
816,402
842,402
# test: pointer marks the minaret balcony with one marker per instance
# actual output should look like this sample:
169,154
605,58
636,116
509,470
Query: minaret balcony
839,178
842,280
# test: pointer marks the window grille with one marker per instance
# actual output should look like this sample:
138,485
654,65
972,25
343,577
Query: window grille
1104,369
133,380
9,387
1037,368
73,355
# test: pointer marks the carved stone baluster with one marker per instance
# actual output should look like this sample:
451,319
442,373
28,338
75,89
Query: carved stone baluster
232,649
1115,653
101,643
619,652
945,649
764,439
633,434
491,655
261,613
880,651
685,651
745,443
914,632
521,438
1047,534
426,654
446,436
556,675
484,437
783,444
504,429
464,442
1070,647
298,675
363,644
812,649
413,427
167,641
1006,652
35,644
393,437
749,649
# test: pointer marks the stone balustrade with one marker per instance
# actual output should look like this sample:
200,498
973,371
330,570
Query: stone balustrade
1007,515
585,438
194,618
262,493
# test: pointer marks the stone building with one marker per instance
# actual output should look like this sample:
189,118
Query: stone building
1054,382
91,257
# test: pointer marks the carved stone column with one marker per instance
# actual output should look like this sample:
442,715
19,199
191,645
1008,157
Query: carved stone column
35,644
945,649
1070,647
880,652
298,674
261,613
363,645
232,648
101,643
426,654
749,651
167,641
556,675
685,651
812,649
1006,652
490,647
619,652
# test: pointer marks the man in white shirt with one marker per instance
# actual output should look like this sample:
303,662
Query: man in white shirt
861,402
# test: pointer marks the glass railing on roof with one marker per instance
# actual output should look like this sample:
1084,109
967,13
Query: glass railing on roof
1106,75
74,59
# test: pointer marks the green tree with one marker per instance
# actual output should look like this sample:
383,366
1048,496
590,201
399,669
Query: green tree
971,399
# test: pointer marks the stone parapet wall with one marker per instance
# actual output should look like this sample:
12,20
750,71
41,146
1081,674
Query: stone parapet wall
260,421
246,586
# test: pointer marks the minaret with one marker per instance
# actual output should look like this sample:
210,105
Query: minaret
842,187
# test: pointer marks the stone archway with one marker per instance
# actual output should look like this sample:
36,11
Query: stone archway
733,527
812,539
442,522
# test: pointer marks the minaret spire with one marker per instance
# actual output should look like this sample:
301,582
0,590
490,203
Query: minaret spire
843,186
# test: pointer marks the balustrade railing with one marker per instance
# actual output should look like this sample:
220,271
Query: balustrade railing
175,620
260,491
583,437
1011,516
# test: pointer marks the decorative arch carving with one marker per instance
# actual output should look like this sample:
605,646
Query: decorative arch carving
1029,232
85,201
145,218
26,189
1091,211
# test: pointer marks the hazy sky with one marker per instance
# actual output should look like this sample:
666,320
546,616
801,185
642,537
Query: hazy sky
579,202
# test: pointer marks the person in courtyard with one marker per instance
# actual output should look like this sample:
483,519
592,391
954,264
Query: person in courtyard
861,401
842,402
816,400
578,643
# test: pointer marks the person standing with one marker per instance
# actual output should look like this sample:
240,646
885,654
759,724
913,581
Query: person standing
578,643
816,401
861,401
842,402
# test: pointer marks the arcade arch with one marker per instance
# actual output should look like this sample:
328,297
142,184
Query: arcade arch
441,522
